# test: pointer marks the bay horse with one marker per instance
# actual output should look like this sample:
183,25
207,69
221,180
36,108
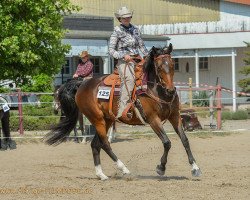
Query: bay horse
160,103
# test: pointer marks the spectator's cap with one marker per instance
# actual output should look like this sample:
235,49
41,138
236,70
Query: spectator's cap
123,12
84,54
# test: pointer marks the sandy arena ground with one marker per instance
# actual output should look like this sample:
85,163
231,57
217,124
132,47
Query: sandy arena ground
36,171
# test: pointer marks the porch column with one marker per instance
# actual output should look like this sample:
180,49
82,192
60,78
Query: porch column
233,80
197,78
105,65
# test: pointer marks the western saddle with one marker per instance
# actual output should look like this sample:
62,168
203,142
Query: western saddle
113,80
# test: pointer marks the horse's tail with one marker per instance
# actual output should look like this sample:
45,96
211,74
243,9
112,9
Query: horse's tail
66,97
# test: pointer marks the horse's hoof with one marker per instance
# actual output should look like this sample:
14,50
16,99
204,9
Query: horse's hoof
4,145
196,172
12,145
102,177
3,149
160,170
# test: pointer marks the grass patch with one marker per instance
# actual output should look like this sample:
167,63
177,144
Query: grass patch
209,134
238,115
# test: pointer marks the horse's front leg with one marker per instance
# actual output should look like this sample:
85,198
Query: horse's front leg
175,120
158,129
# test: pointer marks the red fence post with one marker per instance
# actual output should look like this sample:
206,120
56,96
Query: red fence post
20,111
219,106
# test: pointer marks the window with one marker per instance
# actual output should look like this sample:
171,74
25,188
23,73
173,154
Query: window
97,65
203,63
66,67
176,64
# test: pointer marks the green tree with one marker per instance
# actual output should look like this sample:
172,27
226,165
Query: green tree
39,83
31,35
245,83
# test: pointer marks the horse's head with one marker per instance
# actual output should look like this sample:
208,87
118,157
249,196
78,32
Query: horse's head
163,66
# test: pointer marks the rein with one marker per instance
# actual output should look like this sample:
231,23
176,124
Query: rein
159,100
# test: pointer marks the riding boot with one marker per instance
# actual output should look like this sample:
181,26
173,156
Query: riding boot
140,108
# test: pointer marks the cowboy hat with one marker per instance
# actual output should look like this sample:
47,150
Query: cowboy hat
123,12
84,54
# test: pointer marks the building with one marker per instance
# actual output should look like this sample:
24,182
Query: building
208,36
206,51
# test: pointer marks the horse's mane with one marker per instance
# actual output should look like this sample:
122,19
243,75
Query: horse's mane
149,62
69,87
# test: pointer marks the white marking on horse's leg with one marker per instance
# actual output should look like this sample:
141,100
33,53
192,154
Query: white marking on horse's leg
195,170
122,167
110,131
195,166
84,140
99,173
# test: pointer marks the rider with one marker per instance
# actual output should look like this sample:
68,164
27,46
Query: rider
85,67
84,71
125,42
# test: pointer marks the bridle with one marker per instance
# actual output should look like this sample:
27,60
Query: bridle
161,82
167,69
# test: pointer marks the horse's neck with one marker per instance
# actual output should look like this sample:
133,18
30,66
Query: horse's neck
152,80
154,85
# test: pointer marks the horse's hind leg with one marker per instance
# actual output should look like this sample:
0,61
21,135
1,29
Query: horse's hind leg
96,147
111,134
176,123
102,142
158,129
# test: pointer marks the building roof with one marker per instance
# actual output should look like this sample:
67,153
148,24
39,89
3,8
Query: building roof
246,2
88,23
210,41
105,35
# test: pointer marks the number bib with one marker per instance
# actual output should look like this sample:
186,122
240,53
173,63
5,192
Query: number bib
103,94
5,107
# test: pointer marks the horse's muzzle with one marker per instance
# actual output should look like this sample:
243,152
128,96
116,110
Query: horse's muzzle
170,92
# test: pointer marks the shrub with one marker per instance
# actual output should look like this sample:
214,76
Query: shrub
238,115
226,115
34,117
33,123
248,113
200,99
38,111
46,100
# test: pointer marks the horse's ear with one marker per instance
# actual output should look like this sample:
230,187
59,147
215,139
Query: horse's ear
169,49
152,51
